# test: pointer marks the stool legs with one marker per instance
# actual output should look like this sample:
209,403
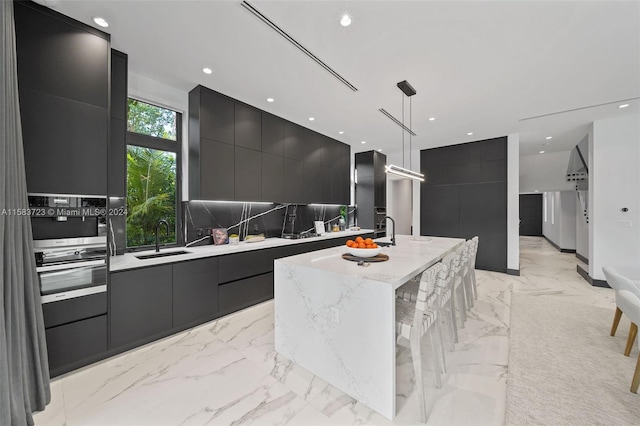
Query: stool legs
633,333
636,377
616,321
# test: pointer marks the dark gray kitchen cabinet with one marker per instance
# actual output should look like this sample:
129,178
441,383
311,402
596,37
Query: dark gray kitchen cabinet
246,292
65,144
141,304
293,189
195,291
60,56
272,177
216,118
295,141
371,187
248,166
272,134
317,183
217,171
465,194
76,344
63,79
116,165
317,147
248,127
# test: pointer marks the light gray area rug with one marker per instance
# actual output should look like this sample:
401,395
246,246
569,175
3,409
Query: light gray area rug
565,369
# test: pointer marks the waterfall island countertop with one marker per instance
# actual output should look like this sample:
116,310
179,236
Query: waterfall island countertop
337,319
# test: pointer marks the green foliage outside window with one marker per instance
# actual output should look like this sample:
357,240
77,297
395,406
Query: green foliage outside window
151,194
151,120
151,175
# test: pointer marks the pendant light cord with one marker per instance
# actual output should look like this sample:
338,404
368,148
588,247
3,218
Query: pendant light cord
402,96
410,128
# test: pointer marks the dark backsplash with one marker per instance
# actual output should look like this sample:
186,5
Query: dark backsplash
267,219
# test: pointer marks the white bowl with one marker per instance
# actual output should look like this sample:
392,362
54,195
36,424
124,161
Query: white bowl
364,252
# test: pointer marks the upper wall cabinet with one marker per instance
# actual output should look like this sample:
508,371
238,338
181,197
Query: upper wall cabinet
63,79
272,159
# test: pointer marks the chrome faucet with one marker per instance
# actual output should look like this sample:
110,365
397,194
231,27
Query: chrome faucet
166,224
393,230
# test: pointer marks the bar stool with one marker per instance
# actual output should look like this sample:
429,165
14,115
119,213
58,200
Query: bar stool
415,320
631,303
620,282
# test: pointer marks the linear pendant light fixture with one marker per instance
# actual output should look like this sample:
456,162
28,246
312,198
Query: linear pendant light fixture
409,91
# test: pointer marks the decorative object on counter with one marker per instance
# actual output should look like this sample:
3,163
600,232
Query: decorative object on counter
335,228
363,248
319,225
234,240
380,257
254,238
219,236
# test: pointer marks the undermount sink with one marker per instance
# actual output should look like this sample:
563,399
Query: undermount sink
383,244
162,254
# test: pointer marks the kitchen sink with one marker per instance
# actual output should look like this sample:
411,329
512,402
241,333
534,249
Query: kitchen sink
162,254
383,244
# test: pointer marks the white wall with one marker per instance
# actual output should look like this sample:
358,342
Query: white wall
545,172
560,226
399,202
513,202
614,183
582,231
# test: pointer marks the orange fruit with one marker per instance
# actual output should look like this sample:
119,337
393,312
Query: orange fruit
359,239
374,245
349,243
361,245
368,241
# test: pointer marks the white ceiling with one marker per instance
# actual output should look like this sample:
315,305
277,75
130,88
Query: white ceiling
478,66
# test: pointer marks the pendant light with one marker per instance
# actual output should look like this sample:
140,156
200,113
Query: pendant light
409,91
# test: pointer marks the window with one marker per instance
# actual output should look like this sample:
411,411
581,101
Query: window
153,161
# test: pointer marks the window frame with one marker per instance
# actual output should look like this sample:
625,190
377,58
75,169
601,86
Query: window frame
169,145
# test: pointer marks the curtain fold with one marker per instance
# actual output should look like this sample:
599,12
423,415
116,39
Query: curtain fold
24,371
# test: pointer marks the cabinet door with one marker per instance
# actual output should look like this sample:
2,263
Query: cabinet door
141,305
217,170
68,345
61,57
272,178
293,188
272,134
116,165
248,166
483,212
240,294
440,211
65,145
294,141
380,180
316,148
248,127
195,291
216,116
341,176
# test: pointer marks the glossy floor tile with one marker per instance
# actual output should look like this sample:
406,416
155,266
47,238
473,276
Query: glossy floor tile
227,372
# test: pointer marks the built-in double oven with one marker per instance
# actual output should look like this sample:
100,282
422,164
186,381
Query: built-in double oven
70,244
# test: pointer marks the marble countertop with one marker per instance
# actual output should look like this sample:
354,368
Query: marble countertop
409,257
130,261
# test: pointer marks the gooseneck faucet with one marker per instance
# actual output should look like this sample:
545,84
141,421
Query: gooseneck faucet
393,230
166,224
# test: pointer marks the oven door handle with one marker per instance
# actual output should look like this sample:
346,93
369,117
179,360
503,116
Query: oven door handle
75,265
55,297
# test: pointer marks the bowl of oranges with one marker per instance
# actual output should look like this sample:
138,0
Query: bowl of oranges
363,247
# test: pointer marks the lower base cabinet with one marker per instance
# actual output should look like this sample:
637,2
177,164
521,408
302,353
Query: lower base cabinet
141,304
70,344
243,293
195,291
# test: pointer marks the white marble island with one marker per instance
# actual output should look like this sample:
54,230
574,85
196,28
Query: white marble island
337,319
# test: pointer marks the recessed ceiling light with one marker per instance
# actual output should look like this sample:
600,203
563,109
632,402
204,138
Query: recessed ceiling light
537,190
469,134
341,132
549,137
100,21
541,152
207,70
311,118
623,106
431,118
269,99
380,150
345,21
363,142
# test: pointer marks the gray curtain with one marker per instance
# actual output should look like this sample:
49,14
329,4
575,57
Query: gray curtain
24,371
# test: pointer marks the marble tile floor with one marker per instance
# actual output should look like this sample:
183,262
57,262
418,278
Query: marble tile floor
226,372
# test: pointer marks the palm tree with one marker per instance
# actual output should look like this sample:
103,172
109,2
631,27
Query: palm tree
151,193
